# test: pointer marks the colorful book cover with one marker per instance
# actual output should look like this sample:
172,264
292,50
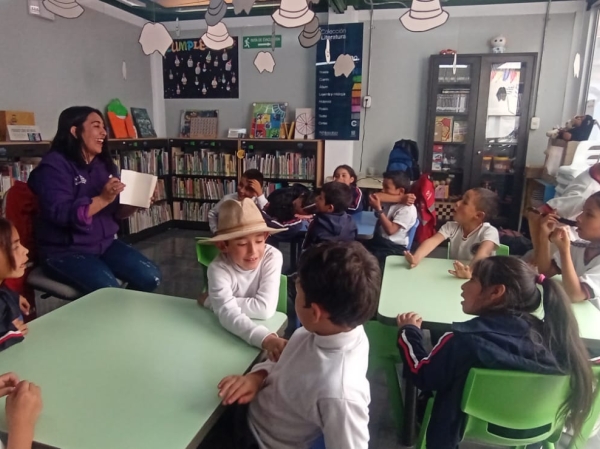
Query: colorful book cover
443,129
267,119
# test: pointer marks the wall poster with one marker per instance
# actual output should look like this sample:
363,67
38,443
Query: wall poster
191,70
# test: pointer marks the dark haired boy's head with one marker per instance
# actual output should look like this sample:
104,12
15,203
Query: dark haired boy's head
477,205
395,182
337,287
281,204
334,197
245,189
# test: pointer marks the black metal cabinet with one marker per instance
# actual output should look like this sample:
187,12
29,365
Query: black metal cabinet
477,128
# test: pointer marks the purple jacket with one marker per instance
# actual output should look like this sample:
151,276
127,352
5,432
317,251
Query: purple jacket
65,191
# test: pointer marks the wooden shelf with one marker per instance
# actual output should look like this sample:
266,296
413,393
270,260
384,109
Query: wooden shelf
178,175
201,200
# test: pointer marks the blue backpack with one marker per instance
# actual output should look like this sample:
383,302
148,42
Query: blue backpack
405,157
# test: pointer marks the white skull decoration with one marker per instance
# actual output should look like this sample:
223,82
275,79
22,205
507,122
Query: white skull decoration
498,44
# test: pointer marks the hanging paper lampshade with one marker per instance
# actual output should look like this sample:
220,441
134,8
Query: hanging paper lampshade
68,9
217,37
424,15
293,14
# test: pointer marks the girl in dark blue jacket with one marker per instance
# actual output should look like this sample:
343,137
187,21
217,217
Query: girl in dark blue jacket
503,295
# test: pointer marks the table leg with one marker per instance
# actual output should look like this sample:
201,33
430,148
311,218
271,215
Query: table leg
407,436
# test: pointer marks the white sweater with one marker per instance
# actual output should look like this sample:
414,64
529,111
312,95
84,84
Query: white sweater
237,295
318,387
213,214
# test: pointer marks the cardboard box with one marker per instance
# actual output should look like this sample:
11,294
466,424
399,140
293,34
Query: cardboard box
14,118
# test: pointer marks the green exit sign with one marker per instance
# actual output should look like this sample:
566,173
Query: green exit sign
250,42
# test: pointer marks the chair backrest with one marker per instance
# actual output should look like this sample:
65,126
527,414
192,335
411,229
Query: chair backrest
411,234
512,408
207,253
588,427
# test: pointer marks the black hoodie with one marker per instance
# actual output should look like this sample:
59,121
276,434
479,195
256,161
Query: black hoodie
494,342
334,227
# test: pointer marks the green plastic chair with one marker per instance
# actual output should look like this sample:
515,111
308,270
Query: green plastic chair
502,250
588,427
384,355
207,253
509,408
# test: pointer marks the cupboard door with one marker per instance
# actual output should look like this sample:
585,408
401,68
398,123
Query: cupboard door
450,127
502,131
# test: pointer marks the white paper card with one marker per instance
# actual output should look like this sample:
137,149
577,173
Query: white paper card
139,188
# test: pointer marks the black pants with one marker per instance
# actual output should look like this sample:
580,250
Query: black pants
381,248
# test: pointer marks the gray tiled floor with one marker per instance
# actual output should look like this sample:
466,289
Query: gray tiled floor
174,251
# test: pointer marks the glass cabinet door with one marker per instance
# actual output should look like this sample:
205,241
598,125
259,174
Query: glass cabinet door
451,127
501,135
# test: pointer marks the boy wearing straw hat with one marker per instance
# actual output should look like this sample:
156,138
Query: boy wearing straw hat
243,281
319,386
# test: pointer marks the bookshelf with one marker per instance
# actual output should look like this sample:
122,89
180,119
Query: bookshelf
193,174
477,128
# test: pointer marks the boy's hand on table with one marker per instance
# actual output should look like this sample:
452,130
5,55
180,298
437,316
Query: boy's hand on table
461,270
23,407
21,326
8,383
241,389
411,259
24,305
274,346
412,318
202,299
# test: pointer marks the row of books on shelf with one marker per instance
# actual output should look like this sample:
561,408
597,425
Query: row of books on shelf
451,74
154,162
453,100
160,192
204,162
191,211
16,171
200,188
282,165
147,218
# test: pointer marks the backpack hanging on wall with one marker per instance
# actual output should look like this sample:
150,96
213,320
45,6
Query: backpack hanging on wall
405,157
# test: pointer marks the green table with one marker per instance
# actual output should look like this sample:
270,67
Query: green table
122,369
433,293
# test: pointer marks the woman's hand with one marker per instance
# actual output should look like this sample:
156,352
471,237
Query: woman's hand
112,189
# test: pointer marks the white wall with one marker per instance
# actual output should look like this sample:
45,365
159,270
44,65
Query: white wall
47,66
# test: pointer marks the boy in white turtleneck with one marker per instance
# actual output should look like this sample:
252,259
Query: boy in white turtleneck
319,385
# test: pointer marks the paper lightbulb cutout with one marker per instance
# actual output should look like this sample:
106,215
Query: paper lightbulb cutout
577,65
216,11
311,34
424,15
68,9
293,14
217,38
155,37
264,62
344,65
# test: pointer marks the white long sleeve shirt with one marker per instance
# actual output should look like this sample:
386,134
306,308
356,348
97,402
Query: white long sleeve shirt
318,387
237,295
213,214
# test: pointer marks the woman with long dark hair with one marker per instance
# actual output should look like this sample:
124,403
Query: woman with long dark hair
77,186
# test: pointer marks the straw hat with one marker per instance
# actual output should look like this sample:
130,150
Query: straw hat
424,15
217,37
238,219
293,14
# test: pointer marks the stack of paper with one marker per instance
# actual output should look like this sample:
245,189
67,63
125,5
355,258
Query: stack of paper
139,188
